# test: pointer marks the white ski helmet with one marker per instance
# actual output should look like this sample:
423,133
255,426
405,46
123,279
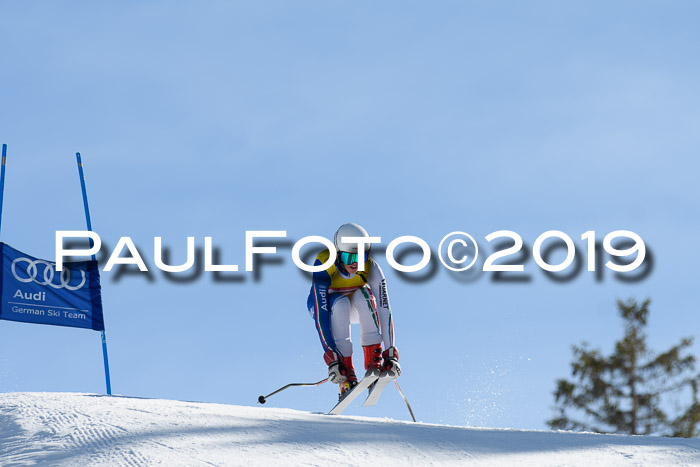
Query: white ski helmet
349,230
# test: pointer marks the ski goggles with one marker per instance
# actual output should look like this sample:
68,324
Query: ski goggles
350,258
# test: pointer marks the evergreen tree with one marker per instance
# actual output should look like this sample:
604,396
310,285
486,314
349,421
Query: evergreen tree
622,392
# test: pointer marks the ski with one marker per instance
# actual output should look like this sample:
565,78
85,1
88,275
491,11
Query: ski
385,378
370,377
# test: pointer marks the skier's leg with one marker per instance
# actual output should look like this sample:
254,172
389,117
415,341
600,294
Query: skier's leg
340,326
363,301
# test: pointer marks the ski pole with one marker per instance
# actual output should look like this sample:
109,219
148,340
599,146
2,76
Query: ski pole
405,400
263,399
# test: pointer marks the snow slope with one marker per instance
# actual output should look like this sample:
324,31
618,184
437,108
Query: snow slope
89,429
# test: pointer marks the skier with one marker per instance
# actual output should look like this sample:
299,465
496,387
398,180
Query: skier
342,295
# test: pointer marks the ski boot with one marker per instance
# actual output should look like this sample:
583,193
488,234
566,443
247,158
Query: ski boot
373,359
373,356
351,382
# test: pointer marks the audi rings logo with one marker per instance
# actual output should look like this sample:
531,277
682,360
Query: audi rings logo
46,278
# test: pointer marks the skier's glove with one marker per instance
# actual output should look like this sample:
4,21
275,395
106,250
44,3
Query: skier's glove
337,373
391,360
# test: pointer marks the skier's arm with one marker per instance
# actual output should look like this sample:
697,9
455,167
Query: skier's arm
320,308
377,283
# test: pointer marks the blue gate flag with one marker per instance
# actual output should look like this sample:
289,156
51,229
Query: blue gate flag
32,291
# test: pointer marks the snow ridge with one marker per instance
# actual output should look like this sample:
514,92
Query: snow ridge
91,429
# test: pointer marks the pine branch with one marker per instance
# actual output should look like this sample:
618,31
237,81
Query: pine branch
623,390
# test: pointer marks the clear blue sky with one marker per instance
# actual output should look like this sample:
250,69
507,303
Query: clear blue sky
212,118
